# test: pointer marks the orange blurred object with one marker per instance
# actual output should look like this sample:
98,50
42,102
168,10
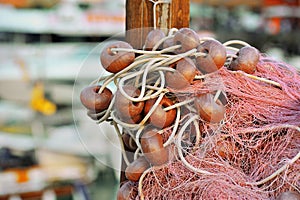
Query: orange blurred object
30,3
280,2
278,10
18,3
274,25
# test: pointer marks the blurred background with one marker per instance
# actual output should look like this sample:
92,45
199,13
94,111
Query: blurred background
49,50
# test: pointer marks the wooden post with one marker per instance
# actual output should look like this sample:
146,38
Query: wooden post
140,18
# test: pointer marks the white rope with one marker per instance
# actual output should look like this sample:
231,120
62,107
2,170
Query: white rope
179,147
155,3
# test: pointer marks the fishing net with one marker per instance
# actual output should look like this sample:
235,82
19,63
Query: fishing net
252,152
259,136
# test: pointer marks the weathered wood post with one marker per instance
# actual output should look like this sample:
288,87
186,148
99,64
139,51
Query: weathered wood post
140,20
140,16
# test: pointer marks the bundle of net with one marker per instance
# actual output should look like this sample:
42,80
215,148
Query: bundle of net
200,119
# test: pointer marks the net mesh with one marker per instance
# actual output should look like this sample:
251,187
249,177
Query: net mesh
256,138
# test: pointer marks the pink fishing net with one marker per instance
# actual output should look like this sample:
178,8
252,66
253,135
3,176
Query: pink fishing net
257,138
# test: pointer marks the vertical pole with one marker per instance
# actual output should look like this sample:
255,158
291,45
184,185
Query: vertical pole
140,19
